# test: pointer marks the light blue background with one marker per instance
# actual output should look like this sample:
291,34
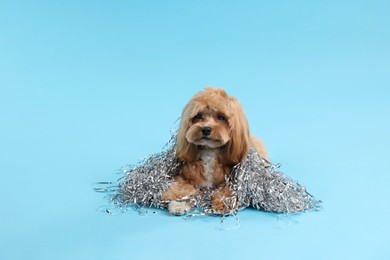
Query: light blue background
89,86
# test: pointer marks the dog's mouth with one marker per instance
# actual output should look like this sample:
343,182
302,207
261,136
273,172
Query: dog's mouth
208,142
208,138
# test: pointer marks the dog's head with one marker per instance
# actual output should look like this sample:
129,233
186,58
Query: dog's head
214,120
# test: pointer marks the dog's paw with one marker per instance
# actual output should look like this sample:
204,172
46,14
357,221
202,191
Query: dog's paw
223,201
220,206
179,208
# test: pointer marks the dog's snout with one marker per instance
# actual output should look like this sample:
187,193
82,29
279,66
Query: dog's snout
206,131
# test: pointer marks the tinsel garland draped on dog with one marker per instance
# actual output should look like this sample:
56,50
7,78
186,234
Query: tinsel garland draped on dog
255,183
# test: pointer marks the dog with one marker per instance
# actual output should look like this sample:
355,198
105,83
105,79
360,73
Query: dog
213,137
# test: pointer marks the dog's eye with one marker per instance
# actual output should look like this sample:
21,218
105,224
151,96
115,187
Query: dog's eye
221,117
198,117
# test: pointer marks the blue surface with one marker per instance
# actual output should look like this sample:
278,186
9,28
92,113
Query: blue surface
88,87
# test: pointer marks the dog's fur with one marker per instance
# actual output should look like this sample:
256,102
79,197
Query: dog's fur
212,138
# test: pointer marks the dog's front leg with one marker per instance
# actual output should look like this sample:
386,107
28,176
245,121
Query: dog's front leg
223,200
178,195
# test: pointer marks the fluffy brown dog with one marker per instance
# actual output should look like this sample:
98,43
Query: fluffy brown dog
213,137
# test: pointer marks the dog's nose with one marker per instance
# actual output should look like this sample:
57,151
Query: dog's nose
206,131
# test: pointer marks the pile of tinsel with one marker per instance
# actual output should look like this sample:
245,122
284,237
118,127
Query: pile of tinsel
255,183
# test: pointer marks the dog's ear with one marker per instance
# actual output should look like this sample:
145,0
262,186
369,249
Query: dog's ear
185,151
239,144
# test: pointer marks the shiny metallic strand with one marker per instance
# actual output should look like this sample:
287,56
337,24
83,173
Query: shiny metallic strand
258,184
143,185
255,183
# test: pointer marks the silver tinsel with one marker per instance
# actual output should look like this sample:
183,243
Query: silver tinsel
255,183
